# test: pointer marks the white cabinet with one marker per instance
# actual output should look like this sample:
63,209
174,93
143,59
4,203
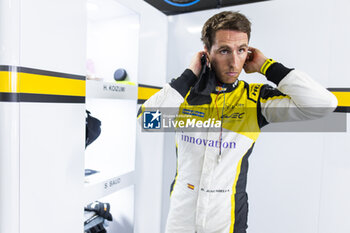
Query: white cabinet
112,43
112,154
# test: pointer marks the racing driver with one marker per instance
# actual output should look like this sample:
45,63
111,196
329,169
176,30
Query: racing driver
209,192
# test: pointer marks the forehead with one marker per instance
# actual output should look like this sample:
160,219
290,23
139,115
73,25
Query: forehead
230,38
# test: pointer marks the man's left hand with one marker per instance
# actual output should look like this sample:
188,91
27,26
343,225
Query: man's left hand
255,60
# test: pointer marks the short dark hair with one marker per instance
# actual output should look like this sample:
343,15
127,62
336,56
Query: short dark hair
226,20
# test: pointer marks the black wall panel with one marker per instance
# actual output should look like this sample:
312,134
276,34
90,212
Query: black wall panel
173,7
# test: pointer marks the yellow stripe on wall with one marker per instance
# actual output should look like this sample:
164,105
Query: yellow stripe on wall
41,84
8,82
145,93
343,98
12,82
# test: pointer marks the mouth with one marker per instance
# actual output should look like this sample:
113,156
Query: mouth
231,74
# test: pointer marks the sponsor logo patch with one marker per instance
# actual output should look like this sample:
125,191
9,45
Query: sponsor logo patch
208,142
219,89
235,115
192,112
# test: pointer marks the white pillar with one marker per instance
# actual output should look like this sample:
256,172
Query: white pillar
9,118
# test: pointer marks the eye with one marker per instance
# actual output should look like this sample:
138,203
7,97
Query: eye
241,50
224,51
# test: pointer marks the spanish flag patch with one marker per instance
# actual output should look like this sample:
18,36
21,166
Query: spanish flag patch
190,186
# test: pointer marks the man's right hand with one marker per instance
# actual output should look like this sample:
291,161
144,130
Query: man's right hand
255,61
196,65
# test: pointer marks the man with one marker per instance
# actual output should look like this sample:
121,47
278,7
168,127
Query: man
209,193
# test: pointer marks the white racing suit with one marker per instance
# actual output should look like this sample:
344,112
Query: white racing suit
209,192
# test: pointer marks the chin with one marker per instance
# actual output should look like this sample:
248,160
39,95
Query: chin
229,80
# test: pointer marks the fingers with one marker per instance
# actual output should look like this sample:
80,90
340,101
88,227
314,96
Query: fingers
254,61
201,54
253,50
251,53
196,64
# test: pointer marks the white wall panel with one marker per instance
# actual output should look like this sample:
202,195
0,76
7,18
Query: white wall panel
53,35
9,122
9,32
335,191
169,172
149,178
52,144
284,183
281,29
184,40
9,167
339,47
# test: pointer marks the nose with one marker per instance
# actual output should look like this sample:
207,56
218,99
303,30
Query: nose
233,59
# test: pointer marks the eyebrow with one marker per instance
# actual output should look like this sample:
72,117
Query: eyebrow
243,45
224,47
227,47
